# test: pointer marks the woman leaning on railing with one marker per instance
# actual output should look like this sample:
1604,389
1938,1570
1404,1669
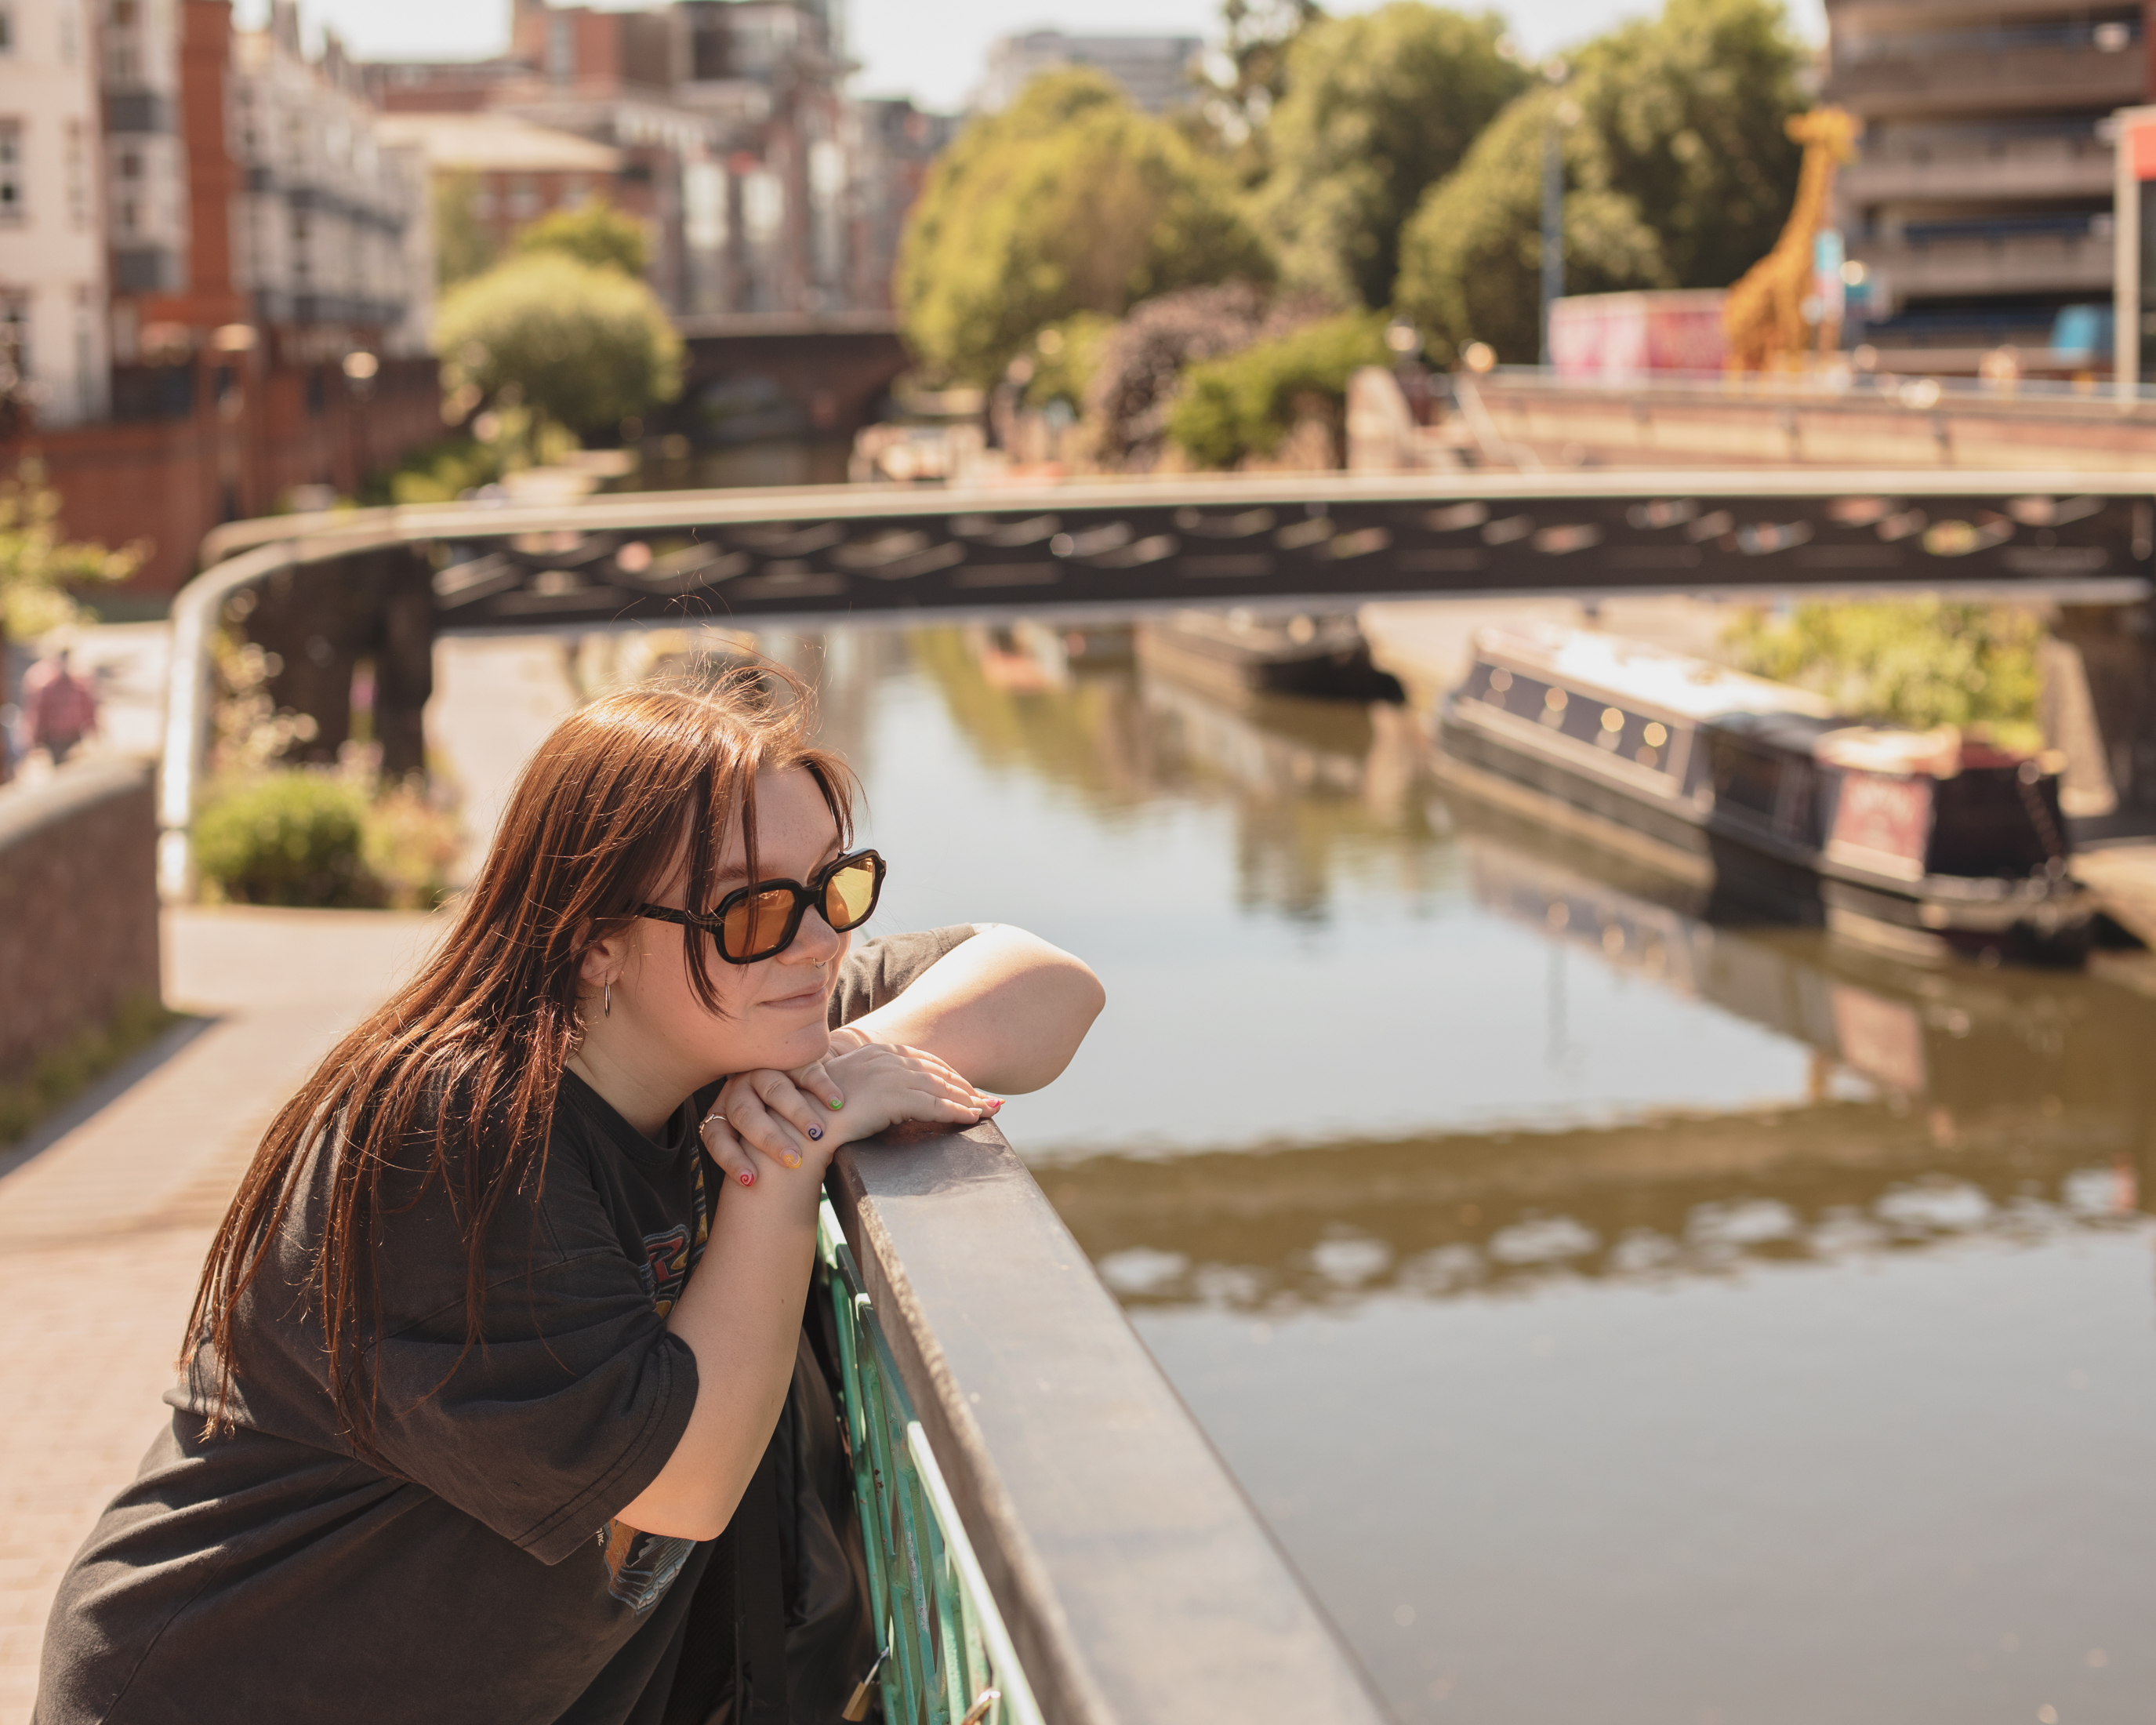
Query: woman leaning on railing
490,1349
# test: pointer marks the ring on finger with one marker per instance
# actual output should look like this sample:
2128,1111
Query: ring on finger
721,1118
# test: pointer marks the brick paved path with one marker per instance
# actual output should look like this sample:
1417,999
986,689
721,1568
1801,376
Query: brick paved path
102,1231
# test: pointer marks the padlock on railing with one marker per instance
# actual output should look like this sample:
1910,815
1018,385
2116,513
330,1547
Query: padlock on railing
857,1709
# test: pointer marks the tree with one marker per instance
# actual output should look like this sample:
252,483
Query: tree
1693,109
1256,35
1070,200
463,246
1677,174
1471,261
583,346
1377,107
593,232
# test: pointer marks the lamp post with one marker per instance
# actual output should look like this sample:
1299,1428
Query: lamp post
2134,138
1563,113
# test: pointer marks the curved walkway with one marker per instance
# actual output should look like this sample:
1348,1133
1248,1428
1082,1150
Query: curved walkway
105,1215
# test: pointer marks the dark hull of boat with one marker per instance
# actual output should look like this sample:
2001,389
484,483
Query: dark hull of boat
1334,667
1732,875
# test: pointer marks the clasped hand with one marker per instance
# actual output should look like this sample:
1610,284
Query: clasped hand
800,1117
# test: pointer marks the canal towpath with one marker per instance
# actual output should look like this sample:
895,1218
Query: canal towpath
107,1210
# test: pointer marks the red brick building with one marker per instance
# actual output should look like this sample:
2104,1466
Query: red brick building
247,367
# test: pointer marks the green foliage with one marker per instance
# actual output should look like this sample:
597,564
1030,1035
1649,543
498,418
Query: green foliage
593,232
584,346
1377,107
1244,403
291,838
319,839
67,1071
1677,174
464,247
502,441
1918,662
1065,357
1070,200
1256,35
38,565
1470,260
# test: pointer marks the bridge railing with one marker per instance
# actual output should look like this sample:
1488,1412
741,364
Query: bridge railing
1051,1524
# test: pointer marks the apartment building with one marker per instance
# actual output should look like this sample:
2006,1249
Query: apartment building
53,357
330,231
1980,206
1156,72
734,140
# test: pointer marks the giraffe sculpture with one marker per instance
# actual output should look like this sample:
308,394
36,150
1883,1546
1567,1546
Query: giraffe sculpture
1763,315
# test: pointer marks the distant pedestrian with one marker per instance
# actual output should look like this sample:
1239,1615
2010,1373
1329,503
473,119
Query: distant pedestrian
60,707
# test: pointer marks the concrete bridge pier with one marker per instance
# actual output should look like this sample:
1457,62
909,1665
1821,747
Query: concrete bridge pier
321,623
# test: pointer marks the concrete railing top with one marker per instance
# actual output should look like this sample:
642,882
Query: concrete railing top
26,808
1138,1583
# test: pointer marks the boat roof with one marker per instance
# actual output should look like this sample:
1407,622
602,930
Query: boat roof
1654,676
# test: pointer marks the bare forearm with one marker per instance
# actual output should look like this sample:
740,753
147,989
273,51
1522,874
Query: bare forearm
1006,1008
739,1315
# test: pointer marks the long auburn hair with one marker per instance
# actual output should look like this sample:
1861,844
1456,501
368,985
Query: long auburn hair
463,1064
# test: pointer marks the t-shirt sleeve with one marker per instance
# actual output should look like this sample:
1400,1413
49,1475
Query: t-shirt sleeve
570,1404
878,971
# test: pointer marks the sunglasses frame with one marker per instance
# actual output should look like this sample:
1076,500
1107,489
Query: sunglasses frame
805,899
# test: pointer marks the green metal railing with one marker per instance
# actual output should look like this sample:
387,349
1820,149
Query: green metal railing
948,1659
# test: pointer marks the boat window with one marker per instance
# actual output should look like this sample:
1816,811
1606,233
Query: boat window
1501,680
1744,778
1655,735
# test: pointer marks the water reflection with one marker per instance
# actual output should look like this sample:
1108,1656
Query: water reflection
1315,786
1618,1317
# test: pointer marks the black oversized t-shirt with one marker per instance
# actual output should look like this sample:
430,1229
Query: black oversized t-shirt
478,1575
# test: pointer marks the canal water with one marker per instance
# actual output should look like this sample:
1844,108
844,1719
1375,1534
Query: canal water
1615,1319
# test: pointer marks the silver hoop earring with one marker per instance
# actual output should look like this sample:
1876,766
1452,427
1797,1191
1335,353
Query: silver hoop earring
606,1012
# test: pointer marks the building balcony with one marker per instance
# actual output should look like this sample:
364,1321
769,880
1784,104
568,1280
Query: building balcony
1983,78
1991,169
2063,254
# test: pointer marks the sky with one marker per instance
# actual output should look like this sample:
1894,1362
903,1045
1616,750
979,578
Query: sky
932,50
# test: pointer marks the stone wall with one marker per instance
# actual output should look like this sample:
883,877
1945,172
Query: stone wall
78,905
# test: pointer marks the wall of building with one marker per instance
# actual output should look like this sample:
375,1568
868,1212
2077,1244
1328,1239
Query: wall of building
1980,202
78,874
52,348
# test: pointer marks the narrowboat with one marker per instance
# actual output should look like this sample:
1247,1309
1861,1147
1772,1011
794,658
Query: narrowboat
1236,658
1925,844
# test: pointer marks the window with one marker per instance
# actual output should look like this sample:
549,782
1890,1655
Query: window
77,176
14,342
11,170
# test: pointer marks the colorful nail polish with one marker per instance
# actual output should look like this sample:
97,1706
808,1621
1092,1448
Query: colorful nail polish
815,1132
837,1103
748,1179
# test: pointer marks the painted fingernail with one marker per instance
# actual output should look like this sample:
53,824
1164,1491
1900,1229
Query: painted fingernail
837,1103
815,1131
791,1160
748,1179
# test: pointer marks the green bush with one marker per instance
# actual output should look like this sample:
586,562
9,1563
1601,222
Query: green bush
292,838
1244,403
1915,662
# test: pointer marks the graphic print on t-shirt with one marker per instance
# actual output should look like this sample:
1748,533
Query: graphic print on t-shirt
640,1566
